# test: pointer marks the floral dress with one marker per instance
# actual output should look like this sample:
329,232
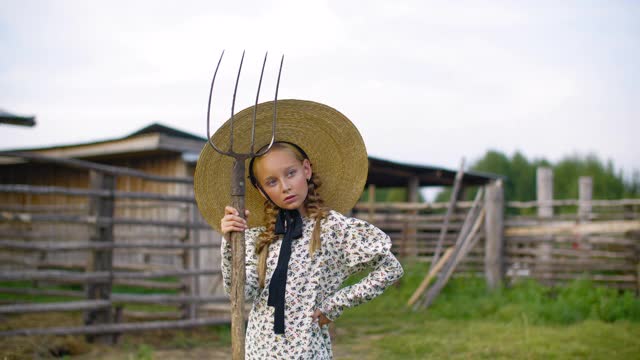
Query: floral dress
313,282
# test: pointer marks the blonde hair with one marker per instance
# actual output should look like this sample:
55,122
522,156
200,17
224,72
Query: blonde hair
313,204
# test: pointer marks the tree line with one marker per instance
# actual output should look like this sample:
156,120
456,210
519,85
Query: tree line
520,178
520,173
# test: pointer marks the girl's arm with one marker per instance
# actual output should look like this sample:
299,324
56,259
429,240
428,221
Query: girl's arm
363,246
251,261
232,222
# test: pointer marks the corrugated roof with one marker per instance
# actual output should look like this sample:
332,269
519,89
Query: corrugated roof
386,173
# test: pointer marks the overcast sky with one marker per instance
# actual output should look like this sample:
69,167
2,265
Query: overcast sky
426,82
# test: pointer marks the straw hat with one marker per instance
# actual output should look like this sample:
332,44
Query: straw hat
333,144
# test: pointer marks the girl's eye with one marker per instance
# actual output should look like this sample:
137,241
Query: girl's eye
271,182
291,172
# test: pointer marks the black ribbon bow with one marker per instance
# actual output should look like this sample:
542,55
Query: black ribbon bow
289,223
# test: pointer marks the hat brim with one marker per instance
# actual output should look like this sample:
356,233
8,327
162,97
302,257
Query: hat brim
334,146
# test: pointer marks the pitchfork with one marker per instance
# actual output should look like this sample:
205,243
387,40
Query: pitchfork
237,200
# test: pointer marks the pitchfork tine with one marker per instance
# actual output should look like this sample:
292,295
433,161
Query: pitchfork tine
255,107
209,107
233,103
275,113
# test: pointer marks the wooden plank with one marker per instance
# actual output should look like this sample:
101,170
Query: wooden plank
591,239
102,276
160,274
472,224
409,217
494,239
28,218
594,277
59,245
54,307
574,202
156,285
427,279
571,228
169,299
573,261
60,276
117,328
404,206
149,316
555,252
41,291
450,209
460,251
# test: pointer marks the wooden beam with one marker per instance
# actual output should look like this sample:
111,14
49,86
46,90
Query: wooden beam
50,307
544,186
494,239
571,228
585,196
100,260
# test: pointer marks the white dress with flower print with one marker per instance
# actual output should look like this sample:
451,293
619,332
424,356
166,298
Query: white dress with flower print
313,282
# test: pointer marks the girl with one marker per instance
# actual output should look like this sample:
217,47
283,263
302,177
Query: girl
302,251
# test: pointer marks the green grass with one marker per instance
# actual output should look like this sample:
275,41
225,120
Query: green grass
528,320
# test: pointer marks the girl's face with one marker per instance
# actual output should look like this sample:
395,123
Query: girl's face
284,178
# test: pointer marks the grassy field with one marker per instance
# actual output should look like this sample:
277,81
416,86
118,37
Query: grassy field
525,321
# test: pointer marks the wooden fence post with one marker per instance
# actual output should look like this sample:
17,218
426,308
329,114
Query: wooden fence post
494,238
101,260
585,197
544,186
195,260
585,192
372,201
412,232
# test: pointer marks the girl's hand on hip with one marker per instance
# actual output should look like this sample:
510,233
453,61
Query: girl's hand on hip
232,221
319,317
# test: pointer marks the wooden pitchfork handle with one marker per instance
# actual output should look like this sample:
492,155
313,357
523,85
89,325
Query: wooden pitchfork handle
237,196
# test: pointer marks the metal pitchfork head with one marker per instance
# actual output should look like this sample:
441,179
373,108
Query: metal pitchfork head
251,152
237,197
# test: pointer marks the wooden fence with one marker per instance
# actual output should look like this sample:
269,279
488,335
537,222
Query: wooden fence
105,251
553,241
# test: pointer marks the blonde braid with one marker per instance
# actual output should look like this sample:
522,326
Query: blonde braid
316,210
265,239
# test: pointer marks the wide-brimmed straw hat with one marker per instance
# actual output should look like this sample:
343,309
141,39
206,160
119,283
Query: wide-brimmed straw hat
334,146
